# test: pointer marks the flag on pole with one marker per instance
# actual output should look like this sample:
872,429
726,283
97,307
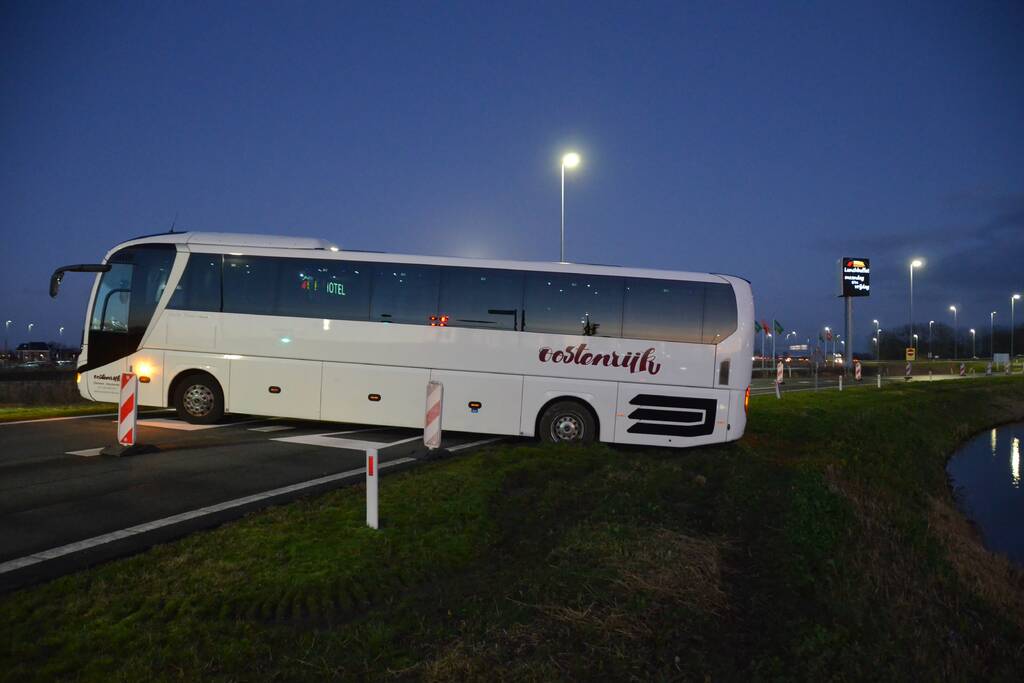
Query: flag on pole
757,327
820,338
778,327
765,326
828,335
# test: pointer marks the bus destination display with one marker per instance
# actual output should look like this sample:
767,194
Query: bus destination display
856,276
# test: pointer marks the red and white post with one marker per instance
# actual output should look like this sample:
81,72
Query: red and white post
778,379
432,425
128,409
372,467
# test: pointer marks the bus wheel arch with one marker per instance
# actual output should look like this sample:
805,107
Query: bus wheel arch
567,419
197,397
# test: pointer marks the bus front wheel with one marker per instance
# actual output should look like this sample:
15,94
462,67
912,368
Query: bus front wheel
198,399
567,422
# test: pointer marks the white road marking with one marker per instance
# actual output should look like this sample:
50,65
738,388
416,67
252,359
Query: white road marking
181,425
351,444
72,417
53,553
271,428
464,446
88,452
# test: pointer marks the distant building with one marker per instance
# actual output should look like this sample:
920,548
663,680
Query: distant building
34,352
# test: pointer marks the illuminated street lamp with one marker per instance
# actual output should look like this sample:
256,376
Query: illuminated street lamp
930,323
915,342
1012,299
953,308
570,160
30,326
60,330
973,348
877,329
916,263
875,340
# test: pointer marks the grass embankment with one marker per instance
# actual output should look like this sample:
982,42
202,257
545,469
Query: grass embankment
823,545
14,413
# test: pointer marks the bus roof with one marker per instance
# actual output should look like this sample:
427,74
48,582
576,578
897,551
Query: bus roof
262,244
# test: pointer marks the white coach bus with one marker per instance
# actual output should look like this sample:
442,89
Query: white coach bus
218,323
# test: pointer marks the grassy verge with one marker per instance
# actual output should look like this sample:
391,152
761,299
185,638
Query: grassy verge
824,545
13,413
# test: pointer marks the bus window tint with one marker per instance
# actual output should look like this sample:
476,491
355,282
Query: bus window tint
338,290
588,305
719,312
667,310
199,287
250,284
130,290
404,293
481,297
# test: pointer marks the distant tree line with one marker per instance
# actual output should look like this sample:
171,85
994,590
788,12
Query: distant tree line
895,340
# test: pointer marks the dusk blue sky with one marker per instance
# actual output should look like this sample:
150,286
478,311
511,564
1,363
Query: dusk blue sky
761,139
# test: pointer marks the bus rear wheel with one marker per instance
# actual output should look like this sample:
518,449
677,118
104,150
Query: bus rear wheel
198,399
567,422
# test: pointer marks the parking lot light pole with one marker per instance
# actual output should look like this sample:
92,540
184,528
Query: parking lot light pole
974,349
953,308
992,334
916,263
1013,298
930,323
570,161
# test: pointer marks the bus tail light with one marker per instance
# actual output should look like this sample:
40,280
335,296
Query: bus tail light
746,401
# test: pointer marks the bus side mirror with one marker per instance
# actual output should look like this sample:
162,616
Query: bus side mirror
58,275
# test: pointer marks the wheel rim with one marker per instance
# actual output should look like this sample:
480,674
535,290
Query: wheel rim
567,428
198,400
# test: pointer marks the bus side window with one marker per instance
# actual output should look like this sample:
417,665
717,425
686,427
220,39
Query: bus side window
667,310
251,285
404,293
719,312
484,298
567,303
199,287
330,289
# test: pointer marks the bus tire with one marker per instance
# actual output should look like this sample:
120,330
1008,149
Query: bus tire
567,422
199,399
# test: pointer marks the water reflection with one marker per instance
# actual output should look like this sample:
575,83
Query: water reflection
1015,462
987,495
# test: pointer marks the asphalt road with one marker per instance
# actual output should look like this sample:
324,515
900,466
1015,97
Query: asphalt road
64,506
831,382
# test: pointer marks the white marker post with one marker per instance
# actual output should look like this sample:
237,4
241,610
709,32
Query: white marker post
963,369
779,369
856,370
432,424
128,408
878,378
840,382
372,467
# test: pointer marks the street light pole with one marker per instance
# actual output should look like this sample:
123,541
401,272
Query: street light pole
877,356
974,349
570,160
992,334
953,308
1012,299
916,263
930,323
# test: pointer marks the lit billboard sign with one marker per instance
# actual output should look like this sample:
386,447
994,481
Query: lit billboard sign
855,274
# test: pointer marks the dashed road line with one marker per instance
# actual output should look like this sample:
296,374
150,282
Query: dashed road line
181,425
271,428
482,442
72,417
95,541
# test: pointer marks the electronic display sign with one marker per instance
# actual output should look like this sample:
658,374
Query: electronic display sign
855,276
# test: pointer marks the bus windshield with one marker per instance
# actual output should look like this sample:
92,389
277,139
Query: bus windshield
129,292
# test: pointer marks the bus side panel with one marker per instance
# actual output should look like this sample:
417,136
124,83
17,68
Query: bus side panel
656,415
375,394
737,415
538,391
480,402
271,386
